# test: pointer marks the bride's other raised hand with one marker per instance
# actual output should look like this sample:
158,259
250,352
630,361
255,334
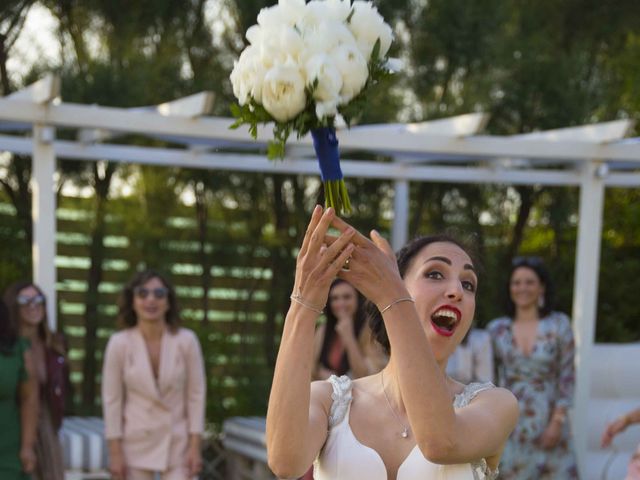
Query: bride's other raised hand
373,268
317,263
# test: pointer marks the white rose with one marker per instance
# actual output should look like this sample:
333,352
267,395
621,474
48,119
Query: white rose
326,109
247,76
353,68
283,94
292,10
287,12
325,37
276,44
315,13
290,42
322,68
271,17
339,10
254,34
326,10
367,25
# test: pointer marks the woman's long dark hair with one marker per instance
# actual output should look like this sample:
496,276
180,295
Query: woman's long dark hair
11,299
8,330
127,317
405,257
536,265
330,328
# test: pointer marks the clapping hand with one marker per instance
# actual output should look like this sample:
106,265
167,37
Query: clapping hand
551,435
612,429
344,327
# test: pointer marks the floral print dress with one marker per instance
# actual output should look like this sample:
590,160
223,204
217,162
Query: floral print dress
541,381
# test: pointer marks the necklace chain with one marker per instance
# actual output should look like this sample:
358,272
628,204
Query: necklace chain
405,430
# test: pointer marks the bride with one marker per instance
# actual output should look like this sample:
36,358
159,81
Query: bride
410,421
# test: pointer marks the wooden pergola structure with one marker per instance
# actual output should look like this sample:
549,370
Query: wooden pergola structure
590,157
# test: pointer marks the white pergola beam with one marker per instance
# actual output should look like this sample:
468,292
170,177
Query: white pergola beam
78,116
193,106
594,133
458,126
259,163
41,92
585,297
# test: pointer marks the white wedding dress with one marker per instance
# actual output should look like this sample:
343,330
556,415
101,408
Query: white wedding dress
343,457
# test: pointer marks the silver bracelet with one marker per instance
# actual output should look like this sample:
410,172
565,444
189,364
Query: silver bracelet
403,299
298,299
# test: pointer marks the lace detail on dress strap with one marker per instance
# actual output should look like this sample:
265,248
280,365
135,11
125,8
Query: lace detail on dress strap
470,392
341,397
481,471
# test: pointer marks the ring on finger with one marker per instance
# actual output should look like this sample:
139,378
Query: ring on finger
345,267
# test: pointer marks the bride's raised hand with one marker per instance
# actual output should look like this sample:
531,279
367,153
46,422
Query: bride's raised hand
318,263
372,267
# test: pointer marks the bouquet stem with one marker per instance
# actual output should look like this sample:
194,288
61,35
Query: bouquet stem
325,144
336,196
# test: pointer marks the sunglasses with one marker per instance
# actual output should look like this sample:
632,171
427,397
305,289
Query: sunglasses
24,300
158,293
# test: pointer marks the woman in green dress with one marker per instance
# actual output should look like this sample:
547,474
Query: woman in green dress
28,311
18,403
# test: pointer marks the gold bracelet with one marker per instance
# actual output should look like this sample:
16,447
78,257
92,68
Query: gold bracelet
404,299
298,299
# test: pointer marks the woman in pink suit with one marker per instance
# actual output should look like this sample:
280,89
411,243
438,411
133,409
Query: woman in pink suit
153,387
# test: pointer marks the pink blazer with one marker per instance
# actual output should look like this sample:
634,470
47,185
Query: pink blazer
153,419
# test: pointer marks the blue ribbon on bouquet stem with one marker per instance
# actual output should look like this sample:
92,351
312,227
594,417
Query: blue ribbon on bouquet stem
325,144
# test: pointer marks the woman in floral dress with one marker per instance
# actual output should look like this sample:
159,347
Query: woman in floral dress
534,352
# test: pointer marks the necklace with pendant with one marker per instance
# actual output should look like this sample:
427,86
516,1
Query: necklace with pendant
405,429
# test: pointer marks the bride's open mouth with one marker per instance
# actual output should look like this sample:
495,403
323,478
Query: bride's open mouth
445,320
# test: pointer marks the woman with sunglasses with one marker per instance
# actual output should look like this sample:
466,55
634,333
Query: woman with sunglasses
153,386
410,421
18,402
27,306
534,350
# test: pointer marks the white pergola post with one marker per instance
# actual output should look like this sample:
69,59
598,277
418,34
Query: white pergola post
43,206
585,296
400,227
44,217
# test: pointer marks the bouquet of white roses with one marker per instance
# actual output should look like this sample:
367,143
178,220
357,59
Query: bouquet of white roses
305,64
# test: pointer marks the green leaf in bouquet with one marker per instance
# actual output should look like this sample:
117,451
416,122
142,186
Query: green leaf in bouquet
275,150
251,114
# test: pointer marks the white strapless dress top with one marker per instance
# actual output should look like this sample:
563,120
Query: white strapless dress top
343,457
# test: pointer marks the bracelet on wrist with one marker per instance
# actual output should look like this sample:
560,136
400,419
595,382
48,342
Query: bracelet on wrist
399,300
296,297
